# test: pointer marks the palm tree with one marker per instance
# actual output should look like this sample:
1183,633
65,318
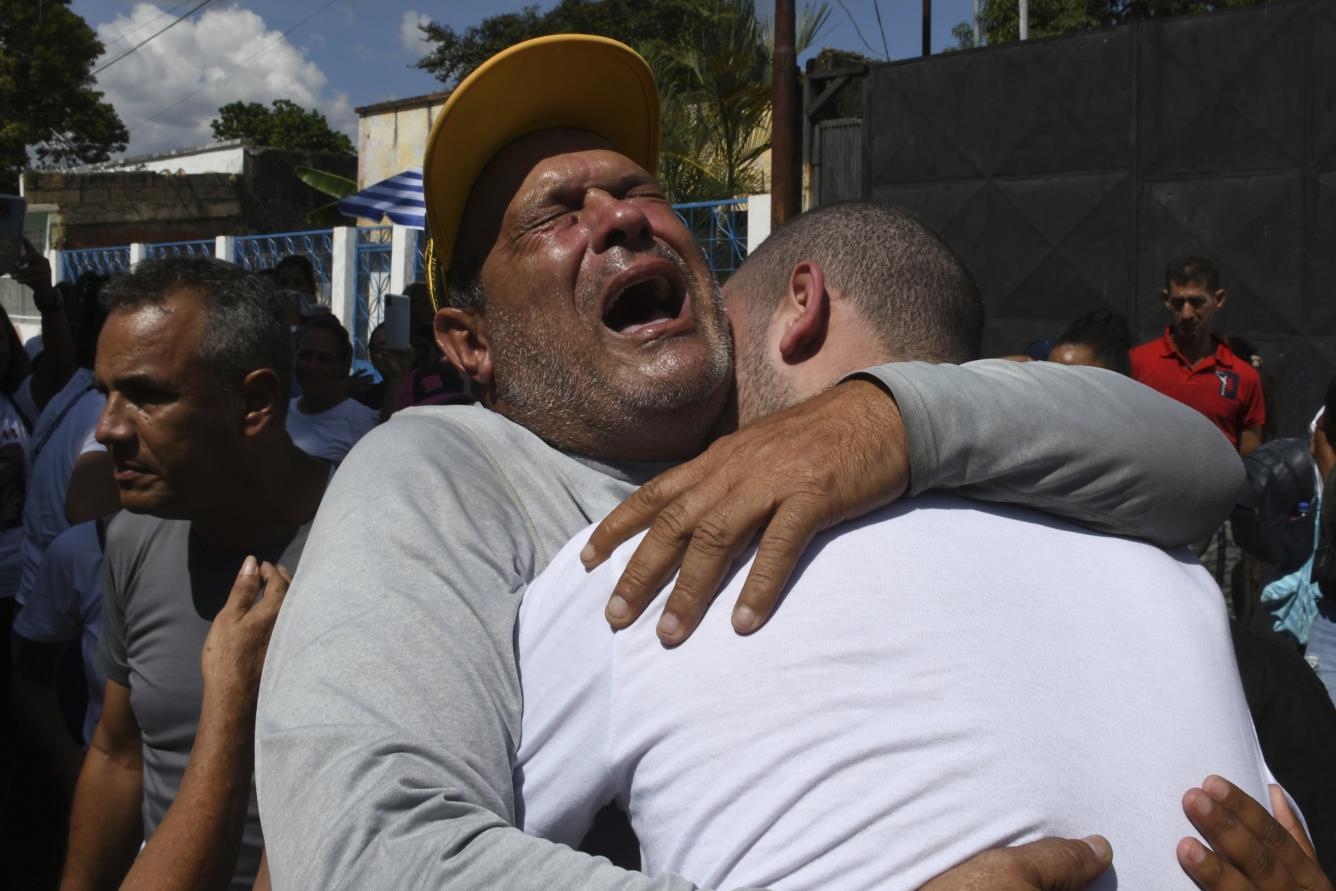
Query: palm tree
715,84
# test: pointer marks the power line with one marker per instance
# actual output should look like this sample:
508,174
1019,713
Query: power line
124,36
179,19
160,112
859,31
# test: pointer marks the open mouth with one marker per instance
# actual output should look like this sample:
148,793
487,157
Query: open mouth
643,303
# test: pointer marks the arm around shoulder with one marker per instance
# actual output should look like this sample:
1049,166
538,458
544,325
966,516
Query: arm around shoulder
1084,444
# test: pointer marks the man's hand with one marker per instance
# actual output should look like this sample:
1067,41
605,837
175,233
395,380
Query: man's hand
794,473
1051,864
34,271
397,364
1253,851
239,637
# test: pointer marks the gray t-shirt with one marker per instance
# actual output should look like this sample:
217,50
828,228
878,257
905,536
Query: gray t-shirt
390,705
161,588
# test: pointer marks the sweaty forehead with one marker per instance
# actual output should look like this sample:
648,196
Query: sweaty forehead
162,336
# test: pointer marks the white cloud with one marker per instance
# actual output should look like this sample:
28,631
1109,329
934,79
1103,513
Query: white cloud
410,38
169,90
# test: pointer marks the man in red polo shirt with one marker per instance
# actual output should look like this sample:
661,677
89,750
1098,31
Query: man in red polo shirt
1195,367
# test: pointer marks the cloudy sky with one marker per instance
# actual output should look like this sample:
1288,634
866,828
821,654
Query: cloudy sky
336,55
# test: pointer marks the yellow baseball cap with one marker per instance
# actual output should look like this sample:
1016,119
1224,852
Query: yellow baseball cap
567,81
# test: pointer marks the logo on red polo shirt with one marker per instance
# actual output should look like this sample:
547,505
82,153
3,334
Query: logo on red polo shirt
1229,383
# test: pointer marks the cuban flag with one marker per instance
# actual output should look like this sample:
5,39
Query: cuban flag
399,198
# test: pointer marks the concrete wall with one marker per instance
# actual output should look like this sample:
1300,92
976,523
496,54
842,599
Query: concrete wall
392,136
99,209
116,208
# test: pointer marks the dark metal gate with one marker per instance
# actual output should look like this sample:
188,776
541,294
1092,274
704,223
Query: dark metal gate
1067,172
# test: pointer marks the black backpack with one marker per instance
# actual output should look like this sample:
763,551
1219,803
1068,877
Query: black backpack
1273,519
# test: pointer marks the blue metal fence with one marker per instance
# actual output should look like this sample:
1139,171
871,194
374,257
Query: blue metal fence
104,261
720,228
374,248
264,251
203,247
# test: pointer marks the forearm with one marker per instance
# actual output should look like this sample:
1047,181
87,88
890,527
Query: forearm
391,807
106,827
59,356
39,713
1084,444
389,400
196,845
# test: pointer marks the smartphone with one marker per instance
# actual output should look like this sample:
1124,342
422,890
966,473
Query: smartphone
12,211
397,316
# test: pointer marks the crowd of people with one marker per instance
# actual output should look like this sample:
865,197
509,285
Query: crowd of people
769,585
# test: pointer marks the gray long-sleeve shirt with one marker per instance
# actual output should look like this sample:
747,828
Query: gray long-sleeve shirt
390,705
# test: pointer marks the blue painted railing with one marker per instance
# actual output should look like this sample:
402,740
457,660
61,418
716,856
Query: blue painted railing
720,228
264,251
374,248
103,261
203,247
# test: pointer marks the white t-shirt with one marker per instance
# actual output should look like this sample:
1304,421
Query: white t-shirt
13,432
66,603
331,433
61,435
942,677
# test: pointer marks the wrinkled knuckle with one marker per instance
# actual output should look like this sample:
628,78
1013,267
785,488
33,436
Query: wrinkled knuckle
1263,860
712,537
763,584
648,494
632,582
1273,835
688,596
674,523
785,536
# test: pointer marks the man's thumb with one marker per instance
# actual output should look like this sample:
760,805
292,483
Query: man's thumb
1065,864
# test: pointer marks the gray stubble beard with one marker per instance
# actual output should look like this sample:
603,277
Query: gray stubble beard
558,398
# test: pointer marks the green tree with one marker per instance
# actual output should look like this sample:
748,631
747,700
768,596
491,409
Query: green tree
710,57
286,125
50,112
331,184
999,20
715,82
642,24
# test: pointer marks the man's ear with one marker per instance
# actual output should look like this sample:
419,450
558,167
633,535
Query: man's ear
462,337
1220,296
806,308
1164,295
260,395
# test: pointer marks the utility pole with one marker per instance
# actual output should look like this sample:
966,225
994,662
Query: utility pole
977,42
1025,19
786,183
927,27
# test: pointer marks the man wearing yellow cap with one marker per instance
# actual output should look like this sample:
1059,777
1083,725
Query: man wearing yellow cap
577,301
